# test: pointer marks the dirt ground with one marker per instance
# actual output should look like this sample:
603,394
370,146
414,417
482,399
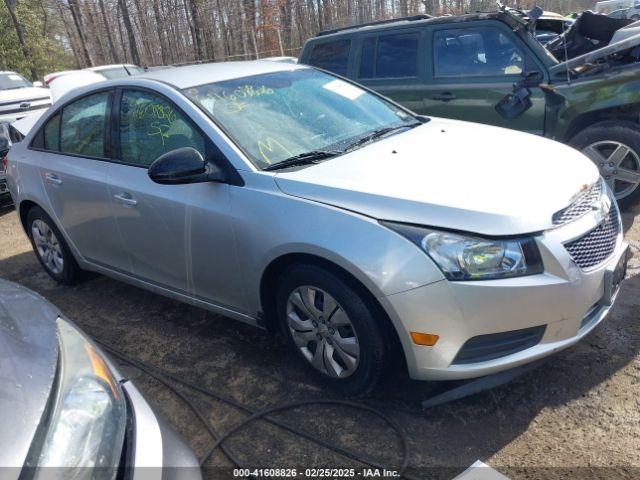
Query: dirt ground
577,416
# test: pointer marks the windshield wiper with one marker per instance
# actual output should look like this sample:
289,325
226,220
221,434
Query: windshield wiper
380,132
305,158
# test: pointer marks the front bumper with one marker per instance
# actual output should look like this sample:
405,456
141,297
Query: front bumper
566,300
154,451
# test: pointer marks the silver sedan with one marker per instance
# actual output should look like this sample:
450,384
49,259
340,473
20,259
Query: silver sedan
298,201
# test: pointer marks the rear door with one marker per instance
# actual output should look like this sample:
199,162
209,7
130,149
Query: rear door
74,147
471,67
390,63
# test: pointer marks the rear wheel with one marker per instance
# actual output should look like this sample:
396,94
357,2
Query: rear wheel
615,149
51,249
332,329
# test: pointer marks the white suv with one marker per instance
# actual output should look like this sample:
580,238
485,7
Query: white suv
20,98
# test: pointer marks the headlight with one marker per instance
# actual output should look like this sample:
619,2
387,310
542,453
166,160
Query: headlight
462,257
85,432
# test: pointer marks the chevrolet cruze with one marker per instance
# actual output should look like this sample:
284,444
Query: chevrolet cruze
297,201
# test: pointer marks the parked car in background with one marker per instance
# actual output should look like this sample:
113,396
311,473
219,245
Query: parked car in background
288,198
117,71
607,6
489,68
618,14
633,13
50,77
282,59
66,410
107,71
5,145
20,98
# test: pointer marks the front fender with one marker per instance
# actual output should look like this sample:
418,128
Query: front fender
270,224
606,95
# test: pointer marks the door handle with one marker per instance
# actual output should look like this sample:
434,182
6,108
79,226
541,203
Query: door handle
444,97
126,199
52,178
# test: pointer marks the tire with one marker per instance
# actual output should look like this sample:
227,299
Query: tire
51,249
333,338
599,142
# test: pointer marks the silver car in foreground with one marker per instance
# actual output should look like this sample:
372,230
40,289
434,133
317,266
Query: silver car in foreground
66,411
292,199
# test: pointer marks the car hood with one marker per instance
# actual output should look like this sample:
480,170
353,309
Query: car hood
451,174
28,360
23,94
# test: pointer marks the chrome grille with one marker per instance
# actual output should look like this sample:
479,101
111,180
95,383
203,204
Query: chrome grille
580,206
597,245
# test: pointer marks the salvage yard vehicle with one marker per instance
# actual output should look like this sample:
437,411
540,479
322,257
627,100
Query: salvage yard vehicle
66,411
107,71
288,198
489,68
19,97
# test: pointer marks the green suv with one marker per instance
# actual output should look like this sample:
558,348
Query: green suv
489,68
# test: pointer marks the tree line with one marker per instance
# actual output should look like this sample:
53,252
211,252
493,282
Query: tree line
41,36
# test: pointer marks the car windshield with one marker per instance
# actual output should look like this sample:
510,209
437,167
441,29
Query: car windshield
10,81
277,116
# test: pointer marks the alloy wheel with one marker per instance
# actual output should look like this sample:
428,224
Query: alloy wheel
619,165
47,246
323,332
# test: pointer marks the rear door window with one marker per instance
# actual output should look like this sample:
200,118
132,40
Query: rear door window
332,56
52,134
476,52
83,126
390,56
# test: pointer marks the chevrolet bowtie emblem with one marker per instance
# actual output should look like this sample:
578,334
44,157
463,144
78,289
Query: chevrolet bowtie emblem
25,105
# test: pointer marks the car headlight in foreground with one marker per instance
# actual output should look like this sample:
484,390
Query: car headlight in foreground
86,424
466,257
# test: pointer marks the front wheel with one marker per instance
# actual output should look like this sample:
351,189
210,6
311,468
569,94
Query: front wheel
615,149
332,329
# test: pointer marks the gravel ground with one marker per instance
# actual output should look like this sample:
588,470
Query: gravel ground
577,416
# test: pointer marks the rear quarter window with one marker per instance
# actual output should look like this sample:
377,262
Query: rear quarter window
332,56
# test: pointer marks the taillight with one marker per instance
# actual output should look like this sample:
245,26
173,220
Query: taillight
5,162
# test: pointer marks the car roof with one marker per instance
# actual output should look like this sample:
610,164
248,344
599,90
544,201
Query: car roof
200,74
105,67
416,20
9,71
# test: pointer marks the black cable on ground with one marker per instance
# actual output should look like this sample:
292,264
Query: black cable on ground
163,377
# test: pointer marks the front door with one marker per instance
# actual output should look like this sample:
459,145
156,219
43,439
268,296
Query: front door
74,173
472,67
177,236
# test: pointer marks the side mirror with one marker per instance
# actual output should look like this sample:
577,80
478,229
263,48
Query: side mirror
38,84
183,165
